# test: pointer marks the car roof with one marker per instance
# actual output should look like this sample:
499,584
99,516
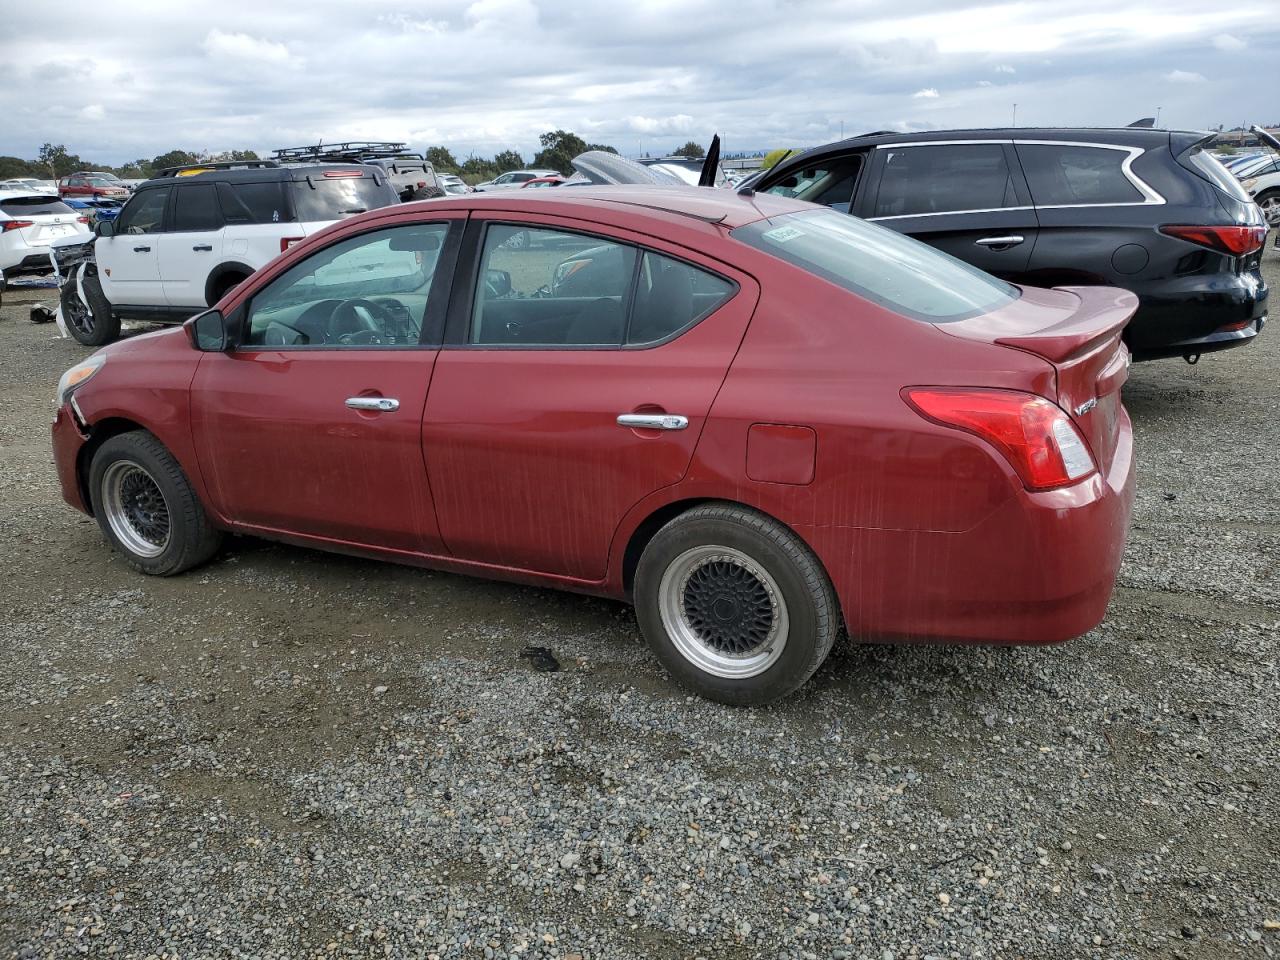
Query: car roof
674,204
292,171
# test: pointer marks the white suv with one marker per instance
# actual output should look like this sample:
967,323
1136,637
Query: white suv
29,223
187,237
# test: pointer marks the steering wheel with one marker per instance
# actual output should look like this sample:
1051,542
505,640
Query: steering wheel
358,321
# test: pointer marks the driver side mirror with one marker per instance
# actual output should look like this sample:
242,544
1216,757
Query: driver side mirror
105,228
208,332
498,283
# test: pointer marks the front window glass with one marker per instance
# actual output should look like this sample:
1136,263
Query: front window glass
945,178
879,265
829,184
544,287
1061,175
366,291
144,213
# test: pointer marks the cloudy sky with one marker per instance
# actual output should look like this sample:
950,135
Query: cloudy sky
118,81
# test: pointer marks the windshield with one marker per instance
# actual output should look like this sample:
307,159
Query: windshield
879,265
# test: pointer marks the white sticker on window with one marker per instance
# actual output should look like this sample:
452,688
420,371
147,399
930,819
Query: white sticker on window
782,234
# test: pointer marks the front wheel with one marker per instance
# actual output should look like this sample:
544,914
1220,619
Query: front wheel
735,605
1270,204
86,310
146,507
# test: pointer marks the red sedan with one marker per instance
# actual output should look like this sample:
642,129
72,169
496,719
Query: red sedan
759,420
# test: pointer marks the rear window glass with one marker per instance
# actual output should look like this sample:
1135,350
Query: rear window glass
672,296
1207,165
879,265
33,205
332,198
253,202
946,178
1060,175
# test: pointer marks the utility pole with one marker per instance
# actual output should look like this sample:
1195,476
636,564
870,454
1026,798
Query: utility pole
1158,109
1015,115
841,129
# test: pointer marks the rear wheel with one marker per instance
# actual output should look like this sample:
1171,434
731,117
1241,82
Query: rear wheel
735,605
146,507
224,286
86,310
1270,204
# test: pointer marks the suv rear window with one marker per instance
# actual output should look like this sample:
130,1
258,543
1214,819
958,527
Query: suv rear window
28,206
254,202
332,198
879,265
1208,166
1066,176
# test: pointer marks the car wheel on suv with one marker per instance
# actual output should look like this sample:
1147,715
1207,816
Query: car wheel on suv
86,311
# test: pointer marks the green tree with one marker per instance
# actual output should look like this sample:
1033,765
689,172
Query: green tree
135,169
508,160
17,167
773,157
174,158
476,170
442,160
57,162
690,150
231,156
559,147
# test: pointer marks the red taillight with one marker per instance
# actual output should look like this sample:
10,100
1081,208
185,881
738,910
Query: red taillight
82,219
1233,240
343,173
17,225
1035,436
287,242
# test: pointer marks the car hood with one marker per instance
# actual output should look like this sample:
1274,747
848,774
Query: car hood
602,167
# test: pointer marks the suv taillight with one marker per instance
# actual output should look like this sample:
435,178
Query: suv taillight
16,225
1035,436
1235,241
287,242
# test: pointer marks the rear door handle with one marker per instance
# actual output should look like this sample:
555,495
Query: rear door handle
141,249
1000,241
383,404
653,421
203,246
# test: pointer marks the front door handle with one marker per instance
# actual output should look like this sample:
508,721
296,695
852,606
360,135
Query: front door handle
653,421
382,404
141,249
203,246
1012,241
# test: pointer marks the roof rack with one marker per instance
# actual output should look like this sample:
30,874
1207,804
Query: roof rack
216,165
350,151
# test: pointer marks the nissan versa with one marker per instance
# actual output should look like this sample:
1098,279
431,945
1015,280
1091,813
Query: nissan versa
759,420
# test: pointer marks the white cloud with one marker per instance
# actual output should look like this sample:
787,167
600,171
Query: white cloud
407,24
1183,76
985,83
93,111
1229,43
503,15
241,46
928,93
1005,68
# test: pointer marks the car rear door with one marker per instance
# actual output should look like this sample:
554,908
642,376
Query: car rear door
966,198
128,261
577,373
192,246
311,426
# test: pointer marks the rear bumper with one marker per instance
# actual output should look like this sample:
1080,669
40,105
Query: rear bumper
1040,569
1196,314
67,441
32,264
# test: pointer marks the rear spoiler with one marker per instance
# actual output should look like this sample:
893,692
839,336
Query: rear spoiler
1101,314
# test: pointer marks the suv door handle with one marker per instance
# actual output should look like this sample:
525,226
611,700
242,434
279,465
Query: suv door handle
653,421
999,241
381,404
203,246
141,249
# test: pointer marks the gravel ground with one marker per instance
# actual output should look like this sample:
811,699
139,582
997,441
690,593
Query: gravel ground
290,754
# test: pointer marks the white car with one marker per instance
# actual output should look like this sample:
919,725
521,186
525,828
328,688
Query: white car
185,239
453,184
31,184
514,179
29,223
1265,190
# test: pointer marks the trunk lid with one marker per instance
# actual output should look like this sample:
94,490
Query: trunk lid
1077,331
46,228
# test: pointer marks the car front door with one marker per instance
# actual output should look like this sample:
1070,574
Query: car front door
311,425
192,245
128,261
967,199
576,376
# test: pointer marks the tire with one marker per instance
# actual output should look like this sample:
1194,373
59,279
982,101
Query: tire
1269,201
146,507
224,286
735,605
91,325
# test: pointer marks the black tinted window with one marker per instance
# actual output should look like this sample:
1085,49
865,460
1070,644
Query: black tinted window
672,296
17,206
144,213
943,179
332,198
196,208
253,202
1065,175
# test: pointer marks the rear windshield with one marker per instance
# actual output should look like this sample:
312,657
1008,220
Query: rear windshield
27,206
879,265
1207,165
332,198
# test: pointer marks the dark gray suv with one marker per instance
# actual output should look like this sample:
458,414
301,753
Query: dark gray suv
1148,210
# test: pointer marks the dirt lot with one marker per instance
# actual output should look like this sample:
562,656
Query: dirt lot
289,754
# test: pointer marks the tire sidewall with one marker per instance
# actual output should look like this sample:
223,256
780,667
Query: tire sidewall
106,326
797,662
130,446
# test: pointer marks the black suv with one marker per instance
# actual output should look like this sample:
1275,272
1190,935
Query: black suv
1148,210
